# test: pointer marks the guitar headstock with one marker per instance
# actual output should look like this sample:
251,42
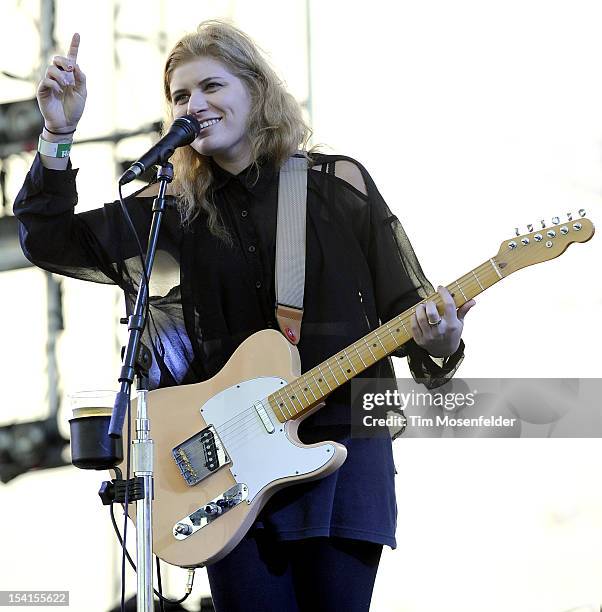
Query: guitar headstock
543,244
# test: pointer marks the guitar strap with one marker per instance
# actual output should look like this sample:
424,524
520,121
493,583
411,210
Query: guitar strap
290,246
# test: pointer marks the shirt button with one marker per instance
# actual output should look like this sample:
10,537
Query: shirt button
251,249
244,213
270,324
258,284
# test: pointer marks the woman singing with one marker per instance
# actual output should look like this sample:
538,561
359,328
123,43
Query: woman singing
315,546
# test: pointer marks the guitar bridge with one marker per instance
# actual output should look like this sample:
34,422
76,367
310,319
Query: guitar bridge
200,456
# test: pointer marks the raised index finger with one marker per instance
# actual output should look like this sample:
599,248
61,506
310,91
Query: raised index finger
73,48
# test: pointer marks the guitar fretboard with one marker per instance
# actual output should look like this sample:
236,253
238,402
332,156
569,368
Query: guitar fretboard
303,393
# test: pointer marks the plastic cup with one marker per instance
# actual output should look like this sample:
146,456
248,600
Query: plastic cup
91,446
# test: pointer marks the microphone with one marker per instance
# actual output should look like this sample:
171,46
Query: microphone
182,132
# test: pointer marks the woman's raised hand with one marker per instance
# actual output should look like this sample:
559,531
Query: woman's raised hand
62,92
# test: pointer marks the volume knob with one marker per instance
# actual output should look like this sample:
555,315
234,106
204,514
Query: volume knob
212,509
183,529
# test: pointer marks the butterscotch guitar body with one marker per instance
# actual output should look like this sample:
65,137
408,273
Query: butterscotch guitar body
220,452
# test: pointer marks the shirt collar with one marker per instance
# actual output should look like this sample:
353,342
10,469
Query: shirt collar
255,180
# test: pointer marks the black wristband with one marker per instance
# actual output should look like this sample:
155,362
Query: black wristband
59,133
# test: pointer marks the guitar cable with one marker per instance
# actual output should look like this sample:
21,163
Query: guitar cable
159,592
130,224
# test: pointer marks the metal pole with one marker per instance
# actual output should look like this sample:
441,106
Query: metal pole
54,310
142,445
142,449
53,287
47,41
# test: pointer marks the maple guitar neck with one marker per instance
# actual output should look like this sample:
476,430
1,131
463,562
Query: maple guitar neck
314,385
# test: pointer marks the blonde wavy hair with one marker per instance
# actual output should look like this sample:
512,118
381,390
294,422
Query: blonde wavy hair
275,125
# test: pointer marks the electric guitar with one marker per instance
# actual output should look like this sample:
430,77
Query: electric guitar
223,447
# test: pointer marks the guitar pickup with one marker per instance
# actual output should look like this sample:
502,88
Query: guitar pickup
200,456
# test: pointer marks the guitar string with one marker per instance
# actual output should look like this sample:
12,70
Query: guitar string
256,427
251,431
381,336
465,282
238,422
362,344
227,430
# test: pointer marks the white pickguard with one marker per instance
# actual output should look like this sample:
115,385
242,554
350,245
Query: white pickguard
258,457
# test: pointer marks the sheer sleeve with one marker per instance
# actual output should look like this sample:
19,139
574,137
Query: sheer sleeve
91,245
97,246
399,283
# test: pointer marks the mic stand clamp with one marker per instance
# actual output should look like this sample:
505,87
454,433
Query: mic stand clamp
136,362
114,491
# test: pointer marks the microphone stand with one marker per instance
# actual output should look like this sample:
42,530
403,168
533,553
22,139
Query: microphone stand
135,361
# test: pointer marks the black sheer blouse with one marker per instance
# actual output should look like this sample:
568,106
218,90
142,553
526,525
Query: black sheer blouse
207,297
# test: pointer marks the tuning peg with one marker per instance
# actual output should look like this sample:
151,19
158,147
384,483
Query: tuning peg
582,212
543,224
516,231
529,227
555,220
569,216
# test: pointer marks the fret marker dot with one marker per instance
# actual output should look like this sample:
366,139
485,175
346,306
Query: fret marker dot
348,371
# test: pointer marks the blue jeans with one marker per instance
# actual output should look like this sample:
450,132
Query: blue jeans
314,574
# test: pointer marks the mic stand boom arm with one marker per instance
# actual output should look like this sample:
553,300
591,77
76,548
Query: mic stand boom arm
142,446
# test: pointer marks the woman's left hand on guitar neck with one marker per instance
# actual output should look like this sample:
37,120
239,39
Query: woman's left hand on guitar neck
439,334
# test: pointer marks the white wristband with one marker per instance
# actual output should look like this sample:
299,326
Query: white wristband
54,149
